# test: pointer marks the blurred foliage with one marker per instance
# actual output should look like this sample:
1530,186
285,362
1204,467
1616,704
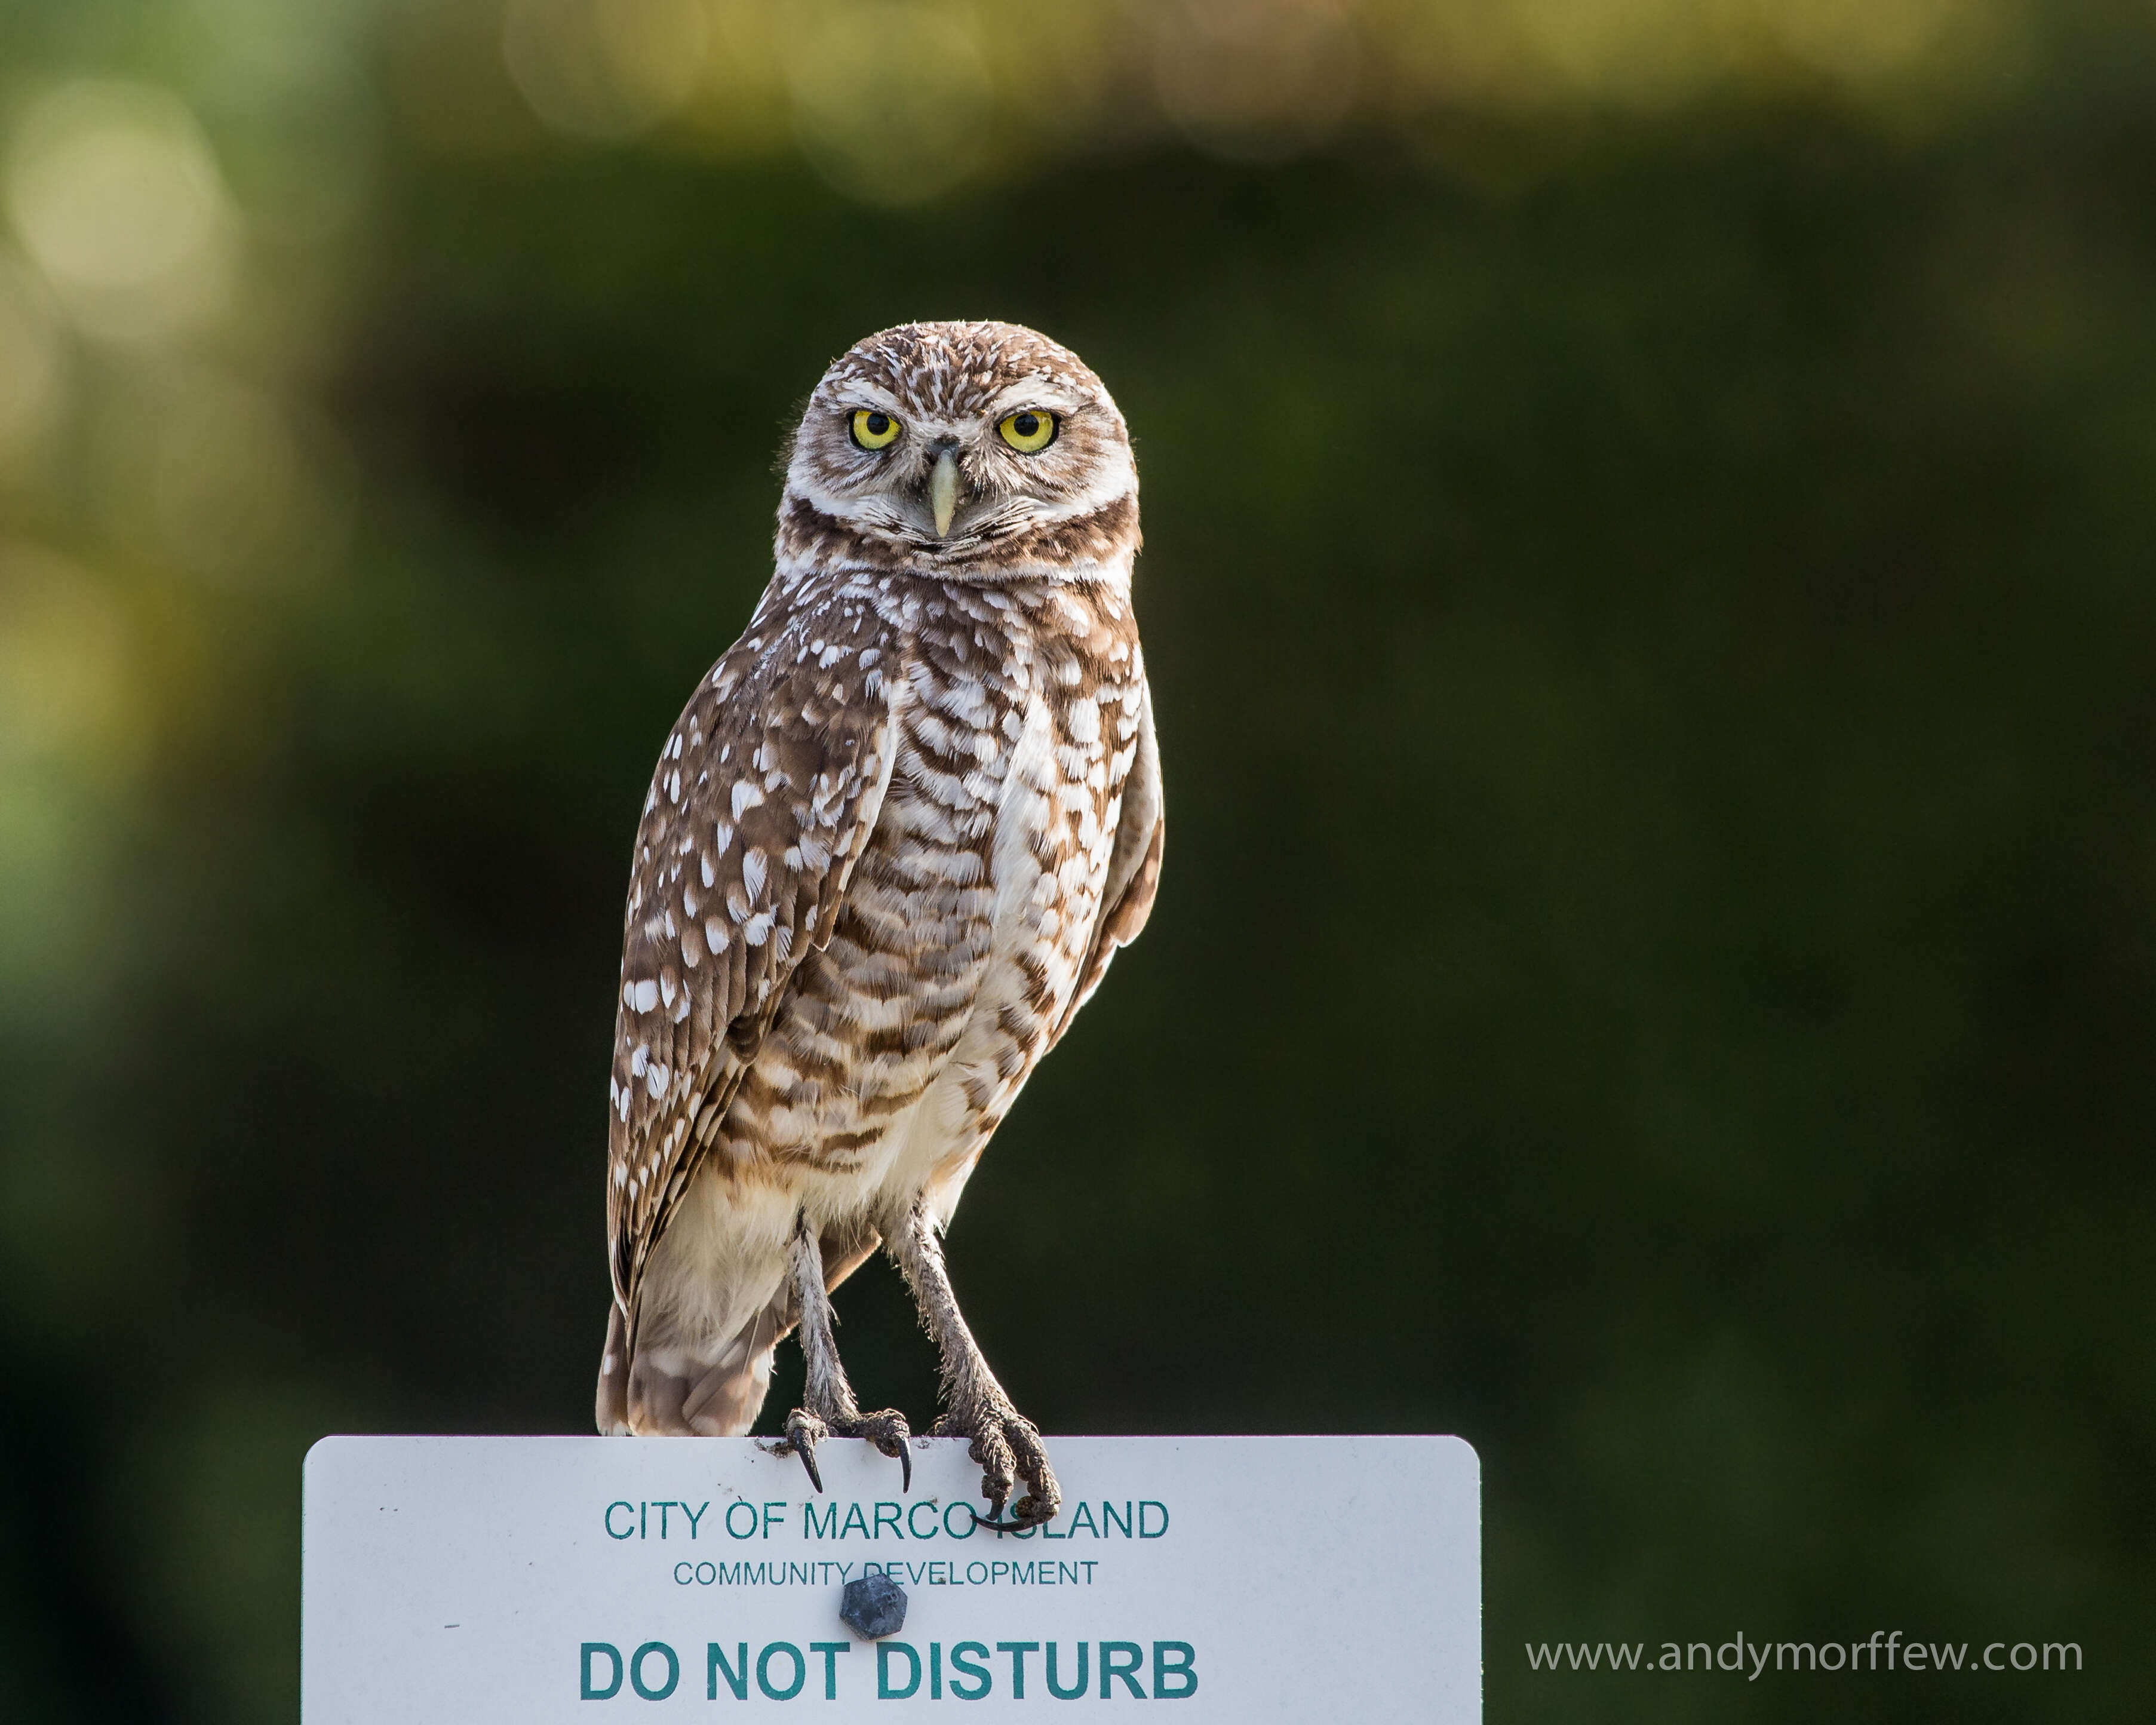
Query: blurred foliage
1651,516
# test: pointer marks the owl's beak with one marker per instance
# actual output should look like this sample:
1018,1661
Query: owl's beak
943,491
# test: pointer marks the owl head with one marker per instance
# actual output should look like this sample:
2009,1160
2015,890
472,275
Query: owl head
982,450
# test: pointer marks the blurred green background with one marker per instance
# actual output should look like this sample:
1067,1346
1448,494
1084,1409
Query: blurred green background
1651,520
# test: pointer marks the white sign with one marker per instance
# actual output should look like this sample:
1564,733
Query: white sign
617,1580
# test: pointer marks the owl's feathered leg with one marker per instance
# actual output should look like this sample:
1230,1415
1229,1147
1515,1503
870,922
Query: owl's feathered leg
1005,1443
829,1409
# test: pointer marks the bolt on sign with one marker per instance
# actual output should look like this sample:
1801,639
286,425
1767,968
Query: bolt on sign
617,1580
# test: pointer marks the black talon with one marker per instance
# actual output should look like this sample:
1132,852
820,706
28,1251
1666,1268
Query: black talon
1017,1524
807,1455
1019,1521
905,1462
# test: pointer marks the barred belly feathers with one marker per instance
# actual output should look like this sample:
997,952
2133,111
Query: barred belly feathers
892,843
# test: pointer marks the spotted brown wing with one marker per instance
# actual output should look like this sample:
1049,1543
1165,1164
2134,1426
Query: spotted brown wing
766,793
1134,864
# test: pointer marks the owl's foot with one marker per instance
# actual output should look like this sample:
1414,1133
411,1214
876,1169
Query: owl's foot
886,1429
1007,1446
830,1409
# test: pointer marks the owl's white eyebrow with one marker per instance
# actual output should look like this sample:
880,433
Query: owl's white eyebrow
1032,394
867,395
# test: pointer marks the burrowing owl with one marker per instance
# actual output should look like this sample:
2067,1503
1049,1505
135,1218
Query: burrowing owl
892,843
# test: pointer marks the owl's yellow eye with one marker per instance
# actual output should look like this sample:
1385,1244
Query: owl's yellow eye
1029,430
874,430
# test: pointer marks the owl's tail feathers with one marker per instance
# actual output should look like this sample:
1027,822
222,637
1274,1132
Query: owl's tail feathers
614,1377
671,1388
